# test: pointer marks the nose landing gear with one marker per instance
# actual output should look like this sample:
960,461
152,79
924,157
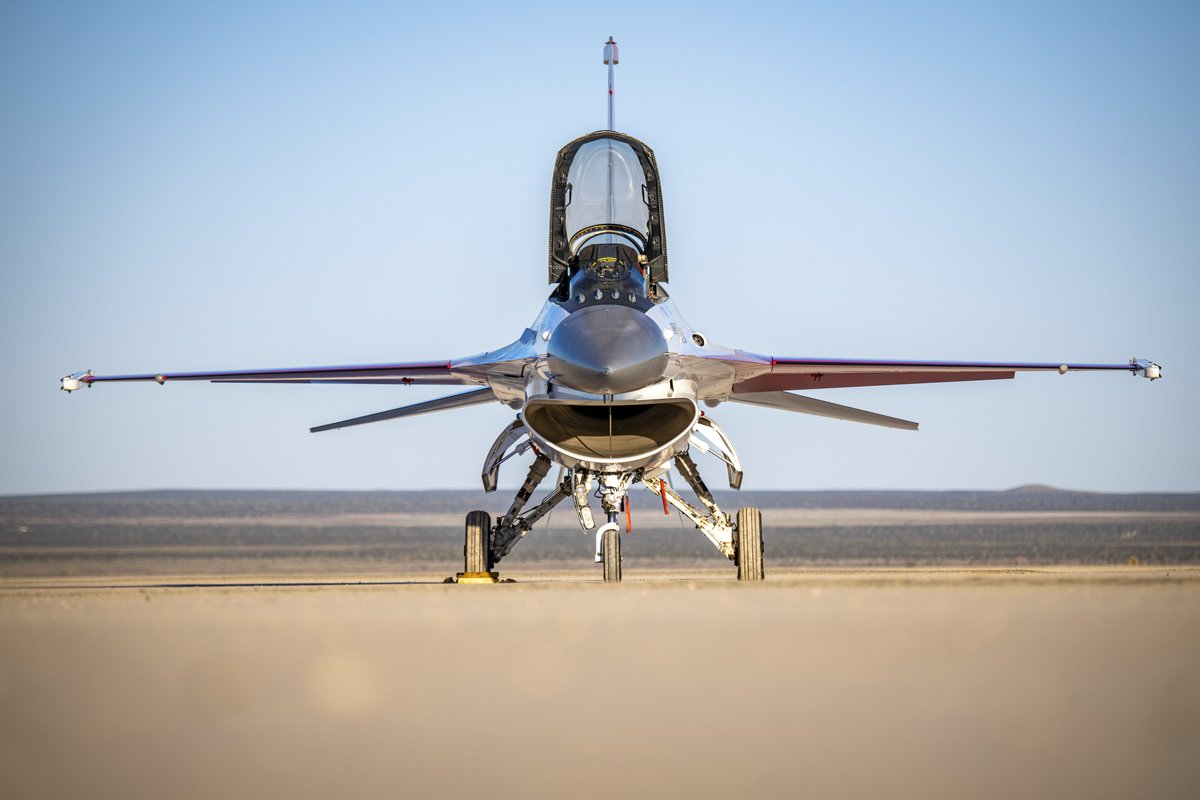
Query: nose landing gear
609,537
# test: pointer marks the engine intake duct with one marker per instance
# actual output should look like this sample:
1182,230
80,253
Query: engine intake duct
612,431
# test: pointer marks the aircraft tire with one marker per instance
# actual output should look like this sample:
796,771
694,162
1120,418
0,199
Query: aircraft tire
749,553
612,555
478,547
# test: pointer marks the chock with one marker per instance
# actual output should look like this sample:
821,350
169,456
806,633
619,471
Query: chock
477,577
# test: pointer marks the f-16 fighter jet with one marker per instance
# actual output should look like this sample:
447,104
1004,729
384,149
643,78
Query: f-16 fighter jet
609,379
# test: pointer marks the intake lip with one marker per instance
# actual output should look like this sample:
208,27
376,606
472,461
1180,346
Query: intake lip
601,436
607,349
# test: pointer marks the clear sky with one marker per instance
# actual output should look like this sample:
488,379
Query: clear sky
240,185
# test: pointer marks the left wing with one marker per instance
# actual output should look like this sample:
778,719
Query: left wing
766,380
779,373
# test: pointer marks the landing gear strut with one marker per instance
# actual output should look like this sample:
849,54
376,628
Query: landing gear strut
738,539
612,499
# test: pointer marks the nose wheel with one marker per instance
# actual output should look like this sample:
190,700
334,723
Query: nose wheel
610,543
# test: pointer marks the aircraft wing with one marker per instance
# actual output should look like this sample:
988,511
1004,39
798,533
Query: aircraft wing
777,373
431,372
503,366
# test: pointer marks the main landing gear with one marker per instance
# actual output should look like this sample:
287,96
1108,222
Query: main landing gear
478,547
738,539
748,552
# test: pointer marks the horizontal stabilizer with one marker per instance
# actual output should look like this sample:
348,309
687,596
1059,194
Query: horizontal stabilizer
787,401
461,400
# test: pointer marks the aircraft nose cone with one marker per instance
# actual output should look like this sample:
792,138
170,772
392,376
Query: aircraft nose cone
607,349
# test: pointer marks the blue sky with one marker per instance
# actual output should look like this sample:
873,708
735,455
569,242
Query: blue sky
210,185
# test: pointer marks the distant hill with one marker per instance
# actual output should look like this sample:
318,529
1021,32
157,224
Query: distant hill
227,533
182,502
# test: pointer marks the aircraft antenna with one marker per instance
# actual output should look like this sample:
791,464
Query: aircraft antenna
610,58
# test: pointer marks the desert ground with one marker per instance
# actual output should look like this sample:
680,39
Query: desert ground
137,660
911,682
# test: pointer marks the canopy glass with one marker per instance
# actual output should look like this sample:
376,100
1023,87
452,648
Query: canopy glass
606,198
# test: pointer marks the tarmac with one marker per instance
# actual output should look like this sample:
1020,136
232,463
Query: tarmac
908,682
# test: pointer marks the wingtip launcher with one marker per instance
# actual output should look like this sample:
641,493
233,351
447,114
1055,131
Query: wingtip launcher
75,381
1146,368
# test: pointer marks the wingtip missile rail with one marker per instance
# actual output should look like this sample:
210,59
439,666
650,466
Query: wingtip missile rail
75,381
1146,368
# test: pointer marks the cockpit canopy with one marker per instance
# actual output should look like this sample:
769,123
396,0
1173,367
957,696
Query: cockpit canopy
606,190
606,196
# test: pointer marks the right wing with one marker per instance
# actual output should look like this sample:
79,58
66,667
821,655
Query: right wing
499,372
437,372
495,367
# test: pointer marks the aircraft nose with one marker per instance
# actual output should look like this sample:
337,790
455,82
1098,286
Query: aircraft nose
607,349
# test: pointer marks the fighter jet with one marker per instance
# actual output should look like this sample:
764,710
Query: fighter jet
609,379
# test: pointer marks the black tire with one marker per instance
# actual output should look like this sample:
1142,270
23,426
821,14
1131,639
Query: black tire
749,552
612,555
478,547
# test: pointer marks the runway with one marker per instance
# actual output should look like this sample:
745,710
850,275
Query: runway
949,682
